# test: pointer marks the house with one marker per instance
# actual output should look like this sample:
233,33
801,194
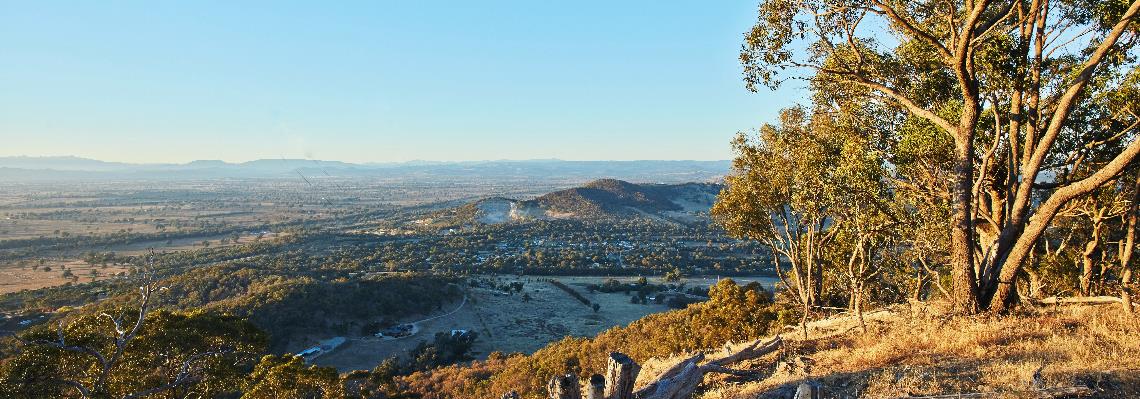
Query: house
309,353
327,345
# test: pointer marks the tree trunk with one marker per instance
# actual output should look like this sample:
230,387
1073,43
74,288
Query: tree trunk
803,321
817,284
1000,293
1034,290
1088,266
1127,246
962,229
919,283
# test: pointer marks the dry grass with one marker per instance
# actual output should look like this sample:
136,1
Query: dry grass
15,278
914,350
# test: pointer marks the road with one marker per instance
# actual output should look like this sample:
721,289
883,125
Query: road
415,326
457,308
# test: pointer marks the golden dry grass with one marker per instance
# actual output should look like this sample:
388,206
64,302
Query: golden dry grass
913,350
15,278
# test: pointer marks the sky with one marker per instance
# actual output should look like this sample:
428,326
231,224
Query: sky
377,81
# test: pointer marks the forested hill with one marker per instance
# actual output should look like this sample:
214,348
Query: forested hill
605,199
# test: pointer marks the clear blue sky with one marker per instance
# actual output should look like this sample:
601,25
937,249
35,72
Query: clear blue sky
376,81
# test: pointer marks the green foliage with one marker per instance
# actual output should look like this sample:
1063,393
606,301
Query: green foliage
219,348
289,377
811,188
287,301
445,349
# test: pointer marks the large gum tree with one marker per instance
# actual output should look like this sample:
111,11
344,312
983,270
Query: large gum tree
1027,91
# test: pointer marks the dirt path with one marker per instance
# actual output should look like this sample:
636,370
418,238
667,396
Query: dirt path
415,324
457,308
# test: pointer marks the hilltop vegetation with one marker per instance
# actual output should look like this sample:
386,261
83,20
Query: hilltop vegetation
615,198
599,200
292,303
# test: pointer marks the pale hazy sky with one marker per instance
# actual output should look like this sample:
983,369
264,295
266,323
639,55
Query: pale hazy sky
376,80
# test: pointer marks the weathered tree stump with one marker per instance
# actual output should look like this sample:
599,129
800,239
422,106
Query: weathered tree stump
678,382
621,373
564,387
807,390
596,389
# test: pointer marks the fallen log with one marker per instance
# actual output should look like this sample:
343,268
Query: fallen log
681,380
674,382
1089,300
1063,392
757,349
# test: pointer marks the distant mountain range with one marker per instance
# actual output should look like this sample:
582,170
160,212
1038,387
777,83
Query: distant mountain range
605,199
75,168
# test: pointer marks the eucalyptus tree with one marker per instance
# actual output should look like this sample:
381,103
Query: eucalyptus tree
1026,91
780,194
867,219
1096,217
799,186
135,353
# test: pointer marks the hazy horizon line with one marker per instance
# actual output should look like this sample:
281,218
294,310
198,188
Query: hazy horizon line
77,157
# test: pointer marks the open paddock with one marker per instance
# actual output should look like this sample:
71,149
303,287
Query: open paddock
520,322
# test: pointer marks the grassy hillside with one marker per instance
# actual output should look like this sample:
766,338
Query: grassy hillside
914,350
906,350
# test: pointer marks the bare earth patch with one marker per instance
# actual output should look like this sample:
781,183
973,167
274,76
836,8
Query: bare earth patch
15,278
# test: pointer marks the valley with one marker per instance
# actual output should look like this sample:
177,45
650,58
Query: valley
517,266
756,199
519,321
